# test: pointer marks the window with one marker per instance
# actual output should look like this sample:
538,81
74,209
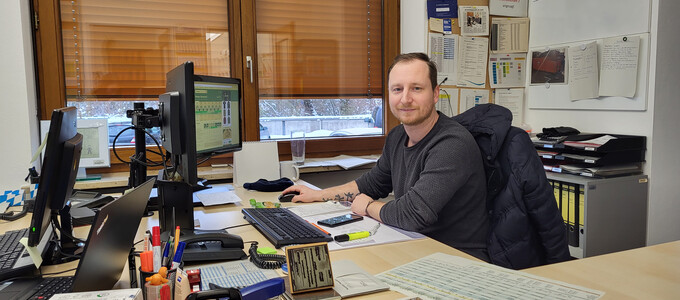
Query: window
315,65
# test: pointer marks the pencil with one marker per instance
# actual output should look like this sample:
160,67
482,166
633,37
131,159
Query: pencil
317,226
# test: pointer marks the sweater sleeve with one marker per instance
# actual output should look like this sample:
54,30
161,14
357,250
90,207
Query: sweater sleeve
445,171
377,182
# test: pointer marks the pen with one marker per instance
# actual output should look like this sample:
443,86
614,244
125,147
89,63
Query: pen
356,235
146,241
178,255
156,241
176,239
317,226
166,252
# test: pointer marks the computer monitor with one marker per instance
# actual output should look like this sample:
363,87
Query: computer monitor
95,152
58,172
207,112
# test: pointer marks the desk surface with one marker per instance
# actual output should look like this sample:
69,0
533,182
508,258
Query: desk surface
644,273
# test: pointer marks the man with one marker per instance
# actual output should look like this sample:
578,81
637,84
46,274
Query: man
430,161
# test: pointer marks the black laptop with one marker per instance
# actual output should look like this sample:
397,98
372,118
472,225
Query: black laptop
106,251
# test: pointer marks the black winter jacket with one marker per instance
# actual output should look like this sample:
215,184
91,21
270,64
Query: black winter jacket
526,228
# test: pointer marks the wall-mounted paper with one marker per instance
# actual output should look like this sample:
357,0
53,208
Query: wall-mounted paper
448,101
583,80
509,35
512,99
443,51
472,61
510,8
507,70
619,69
470,98
473,20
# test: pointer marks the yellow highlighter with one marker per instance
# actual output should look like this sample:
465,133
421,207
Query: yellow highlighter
355,235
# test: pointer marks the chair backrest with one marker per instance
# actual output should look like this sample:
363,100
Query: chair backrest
526,227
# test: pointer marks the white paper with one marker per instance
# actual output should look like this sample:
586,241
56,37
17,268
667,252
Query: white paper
33,252
510,8
472,61
583,70
344,161
443,51
216,196
351,280
473,20
509,35
470,98
255,161
385,234
448,101
443,276
320,208
619,66
239,273
512,99
507,70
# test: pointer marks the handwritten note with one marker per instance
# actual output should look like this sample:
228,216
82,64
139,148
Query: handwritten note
583,81
619,66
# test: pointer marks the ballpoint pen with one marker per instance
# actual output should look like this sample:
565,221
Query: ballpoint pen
356,235
156,240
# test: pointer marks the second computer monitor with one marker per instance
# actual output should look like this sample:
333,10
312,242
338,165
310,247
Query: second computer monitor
208,115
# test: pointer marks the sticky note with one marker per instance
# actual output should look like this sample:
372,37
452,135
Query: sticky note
33,252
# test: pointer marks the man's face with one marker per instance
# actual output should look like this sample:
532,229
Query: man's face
411,95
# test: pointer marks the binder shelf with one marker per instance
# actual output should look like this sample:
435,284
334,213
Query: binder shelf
602,215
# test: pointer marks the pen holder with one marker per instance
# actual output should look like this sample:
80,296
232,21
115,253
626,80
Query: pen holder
171,276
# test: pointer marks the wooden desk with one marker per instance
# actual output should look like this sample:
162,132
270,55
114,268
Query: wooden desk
644,273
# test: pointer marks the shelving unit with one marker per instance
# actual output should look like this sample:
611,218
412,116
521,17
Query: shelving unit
614,213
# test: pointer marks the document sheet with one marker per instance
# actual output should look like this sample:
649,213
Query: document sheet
507,70
239,273
443,51
512,99
448,101
443,276
470,98
620,57
385,234
509,35
472,61
583,77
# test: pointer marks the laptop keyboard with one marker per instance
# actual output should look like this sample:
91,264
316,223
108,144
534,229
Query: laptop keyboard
50,286
282,227
10,249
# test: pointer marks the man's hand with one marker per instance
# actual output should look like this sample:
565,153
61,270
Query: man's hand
359,204
305,194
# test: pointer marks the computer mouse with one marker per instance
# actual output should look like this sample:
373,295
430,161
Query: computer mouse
287,197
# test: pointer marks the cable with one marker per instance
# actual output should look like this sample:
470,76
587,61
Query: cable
241,225
60,272
265,261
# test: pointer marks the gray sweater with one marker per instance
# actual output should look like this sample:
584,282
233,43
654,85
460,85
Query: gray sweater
439,186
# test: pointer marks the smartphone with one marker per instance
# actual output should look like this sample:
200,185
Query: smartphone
340,220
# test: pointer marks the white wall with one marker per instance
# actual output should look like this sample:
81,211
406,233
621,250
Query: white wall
659,123
664,204
18,117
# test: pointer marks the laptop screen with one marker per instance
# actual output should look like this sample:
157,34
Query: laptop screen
110,240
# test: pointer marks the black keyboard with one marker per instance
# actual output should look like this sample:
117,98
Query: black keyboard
10,249
282,227
52,285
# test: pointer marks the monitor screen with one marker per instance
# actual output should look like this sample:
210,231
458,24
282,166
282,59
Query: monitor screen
95,142
58,172
217,115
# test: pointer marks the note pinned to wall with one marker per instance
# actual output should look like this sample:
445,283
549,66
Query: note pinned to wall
583,71
473,20
512,99
619,69
443,51
448,101
507,70
509,35
472,61
470,98
509,8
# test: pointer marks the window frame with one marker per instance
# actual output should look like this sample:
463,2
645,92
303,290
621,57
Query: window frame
51,89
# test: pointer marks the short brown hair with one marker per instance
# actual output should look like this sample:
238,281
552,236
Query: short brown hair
407,57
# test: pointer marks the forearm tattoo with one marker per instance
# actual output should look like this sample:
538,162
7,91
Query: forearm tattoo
350,196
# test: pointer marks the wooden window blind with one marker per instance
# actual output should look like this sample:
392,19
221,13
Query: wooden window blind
319,48
121,50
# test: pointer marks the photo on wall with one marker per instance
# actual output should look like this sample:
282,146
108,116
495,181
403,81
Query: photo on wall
549,66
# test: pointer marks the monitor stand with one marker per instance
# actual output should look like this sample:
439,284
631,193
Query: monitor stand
176,208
